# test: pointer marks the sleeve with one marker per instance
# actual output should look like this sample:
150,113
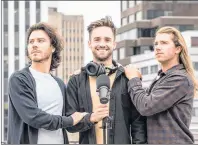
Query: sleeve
72,105
138,127
162,97
22,97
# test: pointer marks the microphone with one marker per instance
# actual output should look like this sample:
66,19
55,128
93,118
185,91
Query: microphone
103,85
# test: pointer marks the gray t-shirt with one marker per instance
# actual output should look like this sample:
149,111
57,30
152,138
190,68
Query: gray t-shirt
50,100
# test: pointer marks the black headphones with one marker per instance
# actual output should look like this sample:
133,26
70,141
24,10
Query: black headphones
95,69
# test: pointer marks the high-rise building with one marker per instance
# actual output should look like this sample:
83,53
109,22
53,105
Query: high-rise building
140,19
17,18
71,29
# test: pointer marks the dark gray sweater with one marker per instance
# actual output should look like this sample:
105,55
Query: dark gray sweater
25,118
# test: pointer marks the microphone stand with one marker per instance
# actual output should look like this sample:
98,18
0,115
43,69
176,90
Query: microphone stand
106,124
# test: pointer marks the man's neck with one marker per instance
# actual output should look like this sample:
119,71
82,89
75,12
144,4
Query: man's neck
107,63
167,66
41,67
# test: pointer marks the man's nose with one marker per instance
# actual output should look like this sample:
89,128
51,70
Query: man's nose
35,44
157,47
102,44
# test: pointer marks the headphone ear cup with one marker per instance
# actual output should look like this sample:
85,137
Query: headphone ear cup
92,69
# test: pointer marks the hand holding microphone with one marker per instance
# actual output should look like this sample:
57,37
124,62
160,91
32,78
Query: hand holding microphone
101,112
103,86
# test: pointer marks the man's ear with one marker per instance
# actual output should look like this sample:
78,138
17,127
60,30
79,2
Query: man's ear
179,49
114,45
53,49
89,44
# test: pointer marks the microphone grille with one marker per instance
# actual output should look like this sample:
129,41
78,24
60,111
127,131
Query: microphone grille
102,80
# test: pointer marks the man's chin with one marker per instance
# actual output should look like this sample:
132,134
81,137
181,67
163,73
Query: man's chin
36,60
102,58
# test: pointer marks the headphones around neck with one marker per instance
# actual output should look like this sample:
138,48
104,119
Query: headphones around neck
95,69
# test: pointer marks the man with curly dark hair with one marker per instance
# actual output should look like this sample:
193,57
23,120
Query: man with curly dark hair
36,97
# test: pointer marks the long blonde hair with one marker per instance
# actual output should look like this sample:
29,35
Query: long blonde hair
184,57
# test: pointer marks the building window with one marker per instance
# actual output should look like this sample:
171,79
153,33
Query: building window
194,41
5,28
144,70
16,63
115,55
168,13
17,51
144,32
38,5
5,39
153,31
118,37
5,74
145,49
124,21
186,27
5,85
132,34
27,4
38,15
16,37
154,69
131,18
136,50
5,51
5,16
5,4
151,14
16,28
124,5
195,64
139,16
16,5
124,36
122,53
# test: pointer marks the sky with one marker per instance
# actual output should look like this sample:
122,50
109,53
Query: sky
91,10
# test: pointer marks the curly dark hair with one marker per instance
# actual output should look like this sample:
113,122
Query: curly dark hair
107,21
55,40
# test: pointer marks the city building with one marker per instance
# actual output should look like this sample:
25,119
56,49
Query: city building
140,20
18,16
71,29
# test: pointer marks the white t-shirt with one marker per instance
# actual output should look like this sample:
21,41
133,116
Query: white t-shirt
50,100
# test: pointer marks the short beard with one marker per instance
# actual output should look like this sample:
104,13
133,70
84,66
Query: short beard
42,59
104,58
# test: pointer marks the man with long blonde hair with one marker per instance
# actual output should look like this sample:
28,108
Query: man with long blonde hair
168,102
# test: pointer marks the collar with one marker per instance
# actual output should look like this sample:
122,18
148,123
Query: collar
176,67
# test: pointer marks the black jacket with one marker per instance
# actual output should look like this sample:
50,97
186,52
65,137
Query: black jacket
25,118
127,121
